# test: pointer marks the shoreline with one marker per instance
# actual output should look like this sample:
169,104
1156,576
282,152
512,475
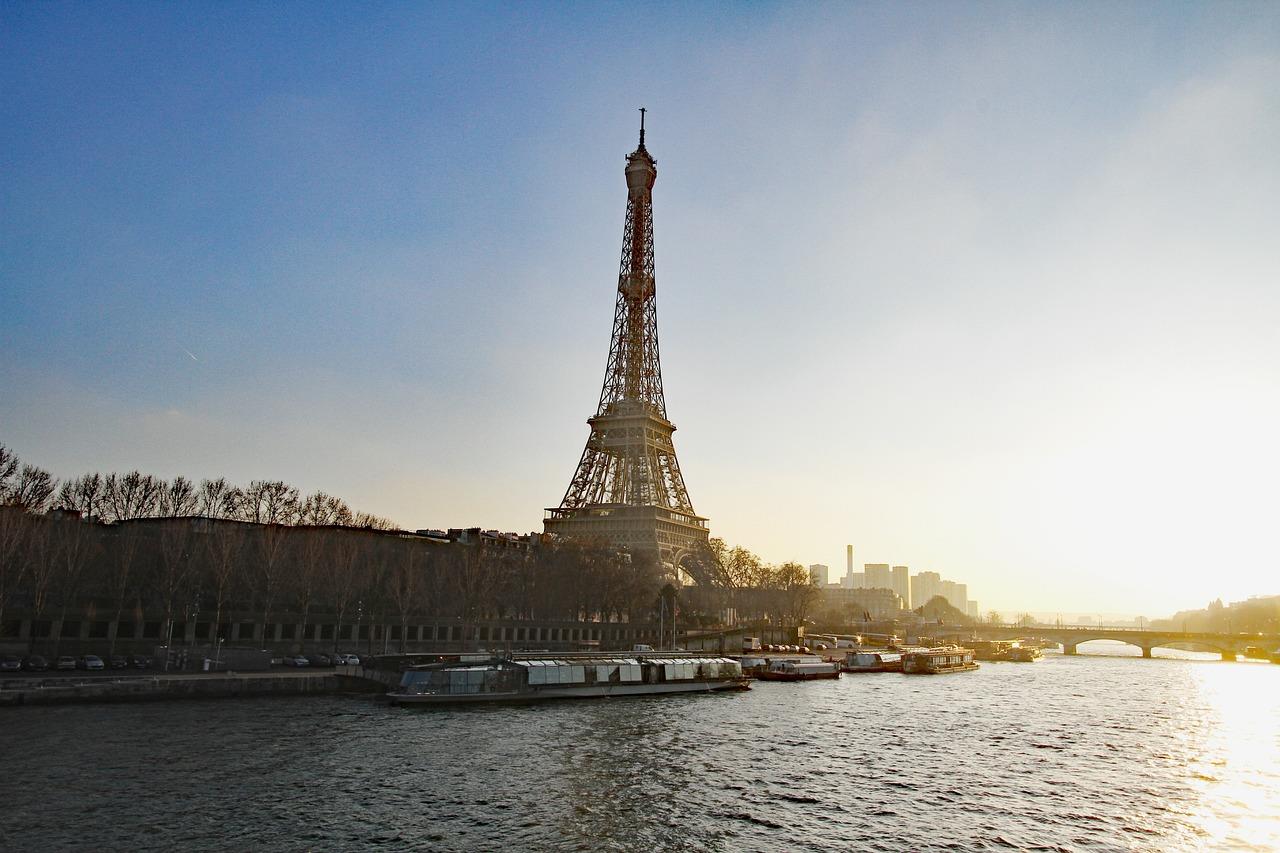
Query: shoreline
178,686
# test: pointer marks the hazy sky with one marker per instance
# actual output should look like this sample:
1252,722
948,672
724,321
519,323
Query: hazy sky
986,289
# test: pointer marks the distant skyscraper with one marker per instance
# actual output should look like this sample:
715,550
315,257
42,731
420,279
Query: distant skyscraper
818,573
878,576
924,586
848,554
962,593
973,610
902,584
950,593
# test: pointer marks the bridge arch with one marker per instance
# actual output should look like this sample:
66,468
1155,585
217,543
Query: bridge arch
1149,643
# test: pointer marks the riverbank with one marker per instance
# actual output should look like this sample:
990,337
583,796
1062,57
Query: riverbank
175,686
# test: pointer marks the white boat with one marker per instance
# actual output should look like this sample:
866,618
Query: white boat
937,661
872,661
524,679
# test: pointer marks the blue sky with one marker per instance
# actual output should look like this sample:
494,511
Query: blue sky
986,289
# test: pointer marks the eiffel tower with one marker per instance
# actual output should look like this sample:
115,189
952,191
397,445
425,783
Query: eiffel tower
627,489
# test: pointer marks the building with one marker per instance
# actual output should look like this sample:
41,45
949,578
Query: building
854,580
902,584
925,586
627,489
861,605
818,574
973,610
955,594
879,576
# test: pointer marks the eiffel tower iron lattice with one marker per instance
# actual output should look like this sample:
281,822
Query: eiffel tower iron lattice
628,489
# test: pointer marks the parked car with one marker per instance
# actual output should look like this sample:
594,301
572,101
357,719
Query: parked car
10,663
139,661
318,660
296,660
346,660
66,662
119,662
92,662
35,663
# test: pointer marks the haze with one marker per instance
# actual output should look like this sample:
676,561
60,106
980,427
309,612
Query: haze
983,289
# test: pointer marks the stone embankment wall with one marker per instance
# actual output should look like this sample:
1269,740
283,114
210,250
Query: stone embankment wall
51,691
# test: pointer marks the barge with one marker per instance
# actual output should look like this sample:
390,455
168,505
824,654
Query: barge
937,661
529,679
866,660
1025,654
799,670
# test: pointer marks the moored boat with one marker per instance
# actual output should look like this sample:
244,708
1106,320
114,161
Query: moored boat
1025,654
525,679
799,670
937,661
868,660
991,650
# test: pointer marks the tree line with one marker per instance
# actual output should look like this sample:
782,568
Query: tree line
135,546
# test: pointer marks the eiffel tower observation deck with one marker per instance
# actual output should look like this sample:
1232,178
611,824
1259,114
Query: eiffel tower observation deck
627,489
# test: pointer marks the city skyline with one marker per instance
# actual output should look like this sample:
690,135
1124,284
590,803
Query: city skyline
1005,314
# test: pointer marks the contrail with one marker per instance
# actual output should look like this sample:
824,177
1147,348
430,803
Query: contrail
190,353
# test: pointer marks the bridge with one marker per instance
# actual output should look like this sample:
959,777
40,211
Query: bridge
1230,646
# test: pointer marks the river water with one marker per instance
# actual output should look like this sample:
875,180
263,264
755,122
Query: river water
1084,753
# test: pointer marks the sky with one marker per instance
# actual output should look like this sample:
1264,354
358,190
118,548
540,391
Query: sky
987,289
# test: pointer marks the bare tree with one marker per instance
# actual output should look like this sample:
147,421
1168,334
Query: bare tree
74,543
33,489
320,509
223,546
42,563
272,543
373,522
8,473
121,582
342,577
84,494
178,499
210,497
15,531
173,569
271,502
132,495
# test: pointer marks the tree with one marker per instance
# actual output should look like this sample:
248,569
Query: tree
84,494
798,591
133,495
33,489
994,618
271,502
178,499
173,569
342,578
74,542
9,465
223,542
373,522
320,509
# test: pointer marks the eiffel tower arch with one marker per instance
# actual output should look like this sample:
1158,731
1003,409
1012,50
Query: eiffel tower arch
627,489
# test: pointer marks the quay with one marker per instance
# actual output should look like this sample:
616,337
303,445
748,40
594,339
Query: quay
174,686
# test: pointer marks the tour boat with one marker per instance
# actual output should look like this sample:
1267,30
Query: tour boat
1025,654
936,661
872,661
799,670
524,679
992,650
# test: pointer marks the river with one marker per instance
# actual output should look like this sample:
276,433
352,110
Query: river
1072,753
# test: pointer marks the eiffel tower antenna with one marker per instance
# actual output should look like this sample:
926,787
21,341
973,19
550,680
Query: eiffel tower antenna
628,489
